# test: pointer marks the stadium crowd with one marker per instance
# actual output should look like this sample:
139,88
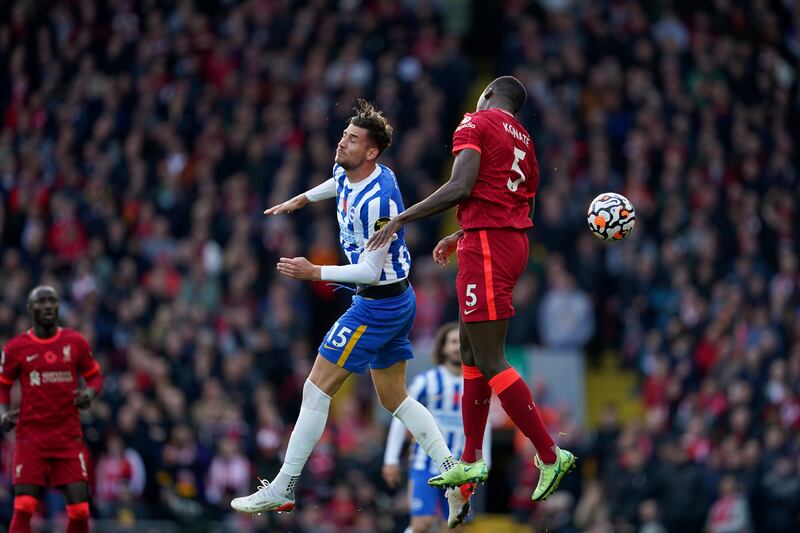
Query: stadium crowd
140,142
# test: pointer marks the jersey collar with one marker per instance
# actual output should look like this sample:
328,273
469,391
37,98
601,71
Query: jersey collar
356,187
54,338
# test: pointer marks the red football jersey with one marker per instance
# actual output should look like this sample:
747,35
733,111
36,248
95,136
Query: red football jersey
48,371
508,175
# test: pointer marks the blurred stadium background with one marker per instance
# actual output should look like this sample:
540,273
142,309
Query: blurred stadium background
140,141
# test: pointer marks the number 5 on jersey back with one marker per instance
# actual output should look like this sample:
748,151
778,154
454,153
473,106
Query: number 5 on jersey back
519,155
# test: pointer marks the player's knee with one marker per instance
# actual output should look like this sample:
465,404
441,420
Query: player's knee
25,503
78,511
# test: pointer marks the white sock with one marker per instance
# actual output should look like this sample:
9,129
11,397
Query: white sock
305,435
421,424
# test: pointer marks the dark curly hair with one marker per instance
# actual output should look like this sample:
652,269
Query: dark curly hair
437,355
372,120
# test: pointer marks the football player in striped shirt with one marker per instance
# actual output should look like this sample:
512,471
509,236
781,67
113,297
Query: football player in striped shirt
440,390
373,332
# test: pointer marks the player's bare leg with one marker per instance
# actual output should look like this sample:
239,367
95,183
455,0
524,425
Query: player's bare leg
488,343
77,498
26,498
323,382
390,384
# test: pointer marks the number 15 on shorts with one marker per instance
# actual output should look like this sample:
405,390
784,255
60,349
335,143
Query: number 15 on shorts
471,298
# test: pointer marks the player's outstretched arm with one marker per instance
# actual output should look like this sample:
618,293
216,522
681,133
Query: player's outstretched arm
458,187
320,192
367,270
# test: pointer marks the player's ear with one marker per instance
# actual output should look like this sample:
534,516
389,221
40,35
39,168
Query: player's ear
372,153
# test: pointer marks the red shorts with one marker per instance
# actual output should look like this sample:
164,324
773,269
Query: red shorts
36,467
489,263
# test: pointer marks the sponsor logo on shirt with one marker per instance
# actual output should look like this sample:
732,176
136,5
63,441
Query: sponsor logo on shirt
466,123
52,376
381,222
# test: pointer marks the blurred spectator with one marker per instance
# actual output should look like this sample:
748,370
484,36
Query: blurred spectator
730,513
119,476
566,319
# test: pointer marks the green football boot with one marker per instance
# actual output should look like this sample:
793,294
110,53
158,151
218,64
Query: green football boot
461,474
550,475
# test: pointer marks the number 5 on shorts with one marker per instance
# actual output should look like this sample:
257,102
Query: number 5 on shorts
472,298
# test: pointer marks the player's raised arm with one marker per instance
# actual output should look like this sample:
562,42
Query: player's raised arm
459,186
322,191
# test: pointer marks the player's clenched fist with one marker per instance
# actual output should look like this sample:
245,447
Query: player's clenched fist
83,397
8,420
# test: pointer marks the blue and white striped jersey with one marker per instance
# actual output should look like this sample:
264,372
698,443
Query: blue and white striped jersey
362,209
440,391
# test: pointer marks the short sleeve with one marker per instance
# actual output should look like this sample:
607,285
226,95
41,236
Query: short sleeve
469,134
87,366
9,365
376,213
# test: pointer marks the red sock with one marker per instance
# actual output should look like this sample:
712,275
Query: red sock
516,399
24,507
20,522
78,514
474,412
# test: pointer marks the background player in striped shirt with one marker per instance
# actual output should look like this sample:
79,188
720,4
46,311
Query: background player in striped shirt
48,361
373,333
440,390
493,182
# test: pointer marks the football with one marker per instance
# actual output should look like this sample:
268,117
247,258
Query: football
611,217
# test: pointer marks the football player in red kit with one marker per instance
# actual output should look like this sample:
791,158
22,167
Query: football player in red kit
494,180
48,360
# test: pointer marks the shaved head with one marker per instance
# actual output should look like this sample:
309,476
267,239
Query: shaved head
505,92
40,291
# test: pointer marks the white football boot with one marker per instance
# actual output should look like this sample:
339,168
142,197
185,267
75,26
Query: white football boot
263,500
458,502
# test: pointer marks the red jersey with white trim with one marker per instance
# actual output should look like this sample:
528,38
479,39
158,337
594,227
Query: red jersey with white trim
508,175
48,371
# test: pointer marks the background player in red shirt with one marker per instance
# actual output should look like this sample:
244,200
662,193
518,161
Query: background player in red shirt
493,182
49,448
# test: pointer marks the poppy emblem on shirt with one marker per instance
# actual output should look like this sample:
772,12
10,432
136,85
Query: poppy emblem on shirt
50,357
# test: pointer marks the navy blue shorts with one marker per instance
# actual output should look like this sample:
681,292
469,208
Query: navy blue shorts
372,333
